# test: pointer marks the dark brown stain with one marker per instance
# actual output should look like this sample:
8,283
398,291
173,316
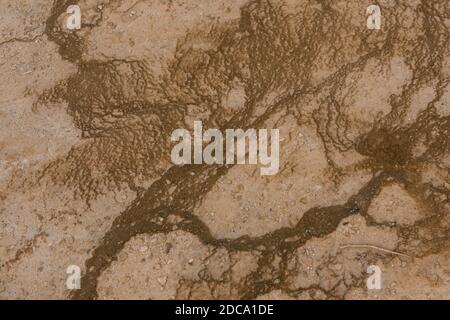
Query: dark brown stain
268,50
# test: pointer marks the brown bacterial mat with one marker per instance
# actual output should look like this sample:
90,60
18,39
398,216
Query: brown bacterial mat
87,178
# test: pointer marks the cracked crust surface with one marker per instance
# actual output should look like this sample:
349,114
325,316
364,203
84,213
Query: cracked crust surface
86,177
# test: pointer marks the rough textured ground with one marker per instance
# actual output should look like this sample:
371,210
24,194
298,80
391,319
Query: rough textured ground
86,177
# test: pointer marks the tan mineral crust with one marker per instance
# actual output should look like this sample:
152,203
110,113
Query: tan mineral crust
86,177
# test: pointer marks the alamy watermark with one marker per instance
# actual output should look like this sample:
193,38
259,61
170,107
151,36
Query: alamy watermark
241,147
374,281
73,281
374,17
73,21
373,11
